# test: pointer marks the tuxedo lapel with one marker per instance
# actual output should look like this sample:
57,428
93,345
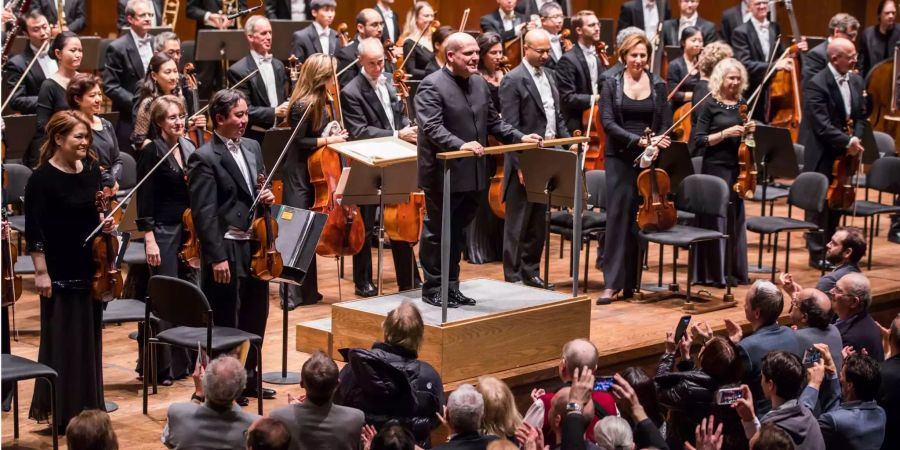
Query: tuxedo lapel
754,41
838,98
585,69
372,99
259,86
314,38
134,56
531,87
230,165
278,68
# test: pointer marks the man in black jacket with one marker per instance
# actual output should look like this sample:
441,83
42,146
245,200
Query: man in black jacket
289,9
392,28
579,70
529,102
552,21
878,41
318,37
368,25
24,100
889,394
647,15
842,25
265,90
122,20
209,16
454,112
372,109
529,8
673,27
734,17
222,185
505,21
73,12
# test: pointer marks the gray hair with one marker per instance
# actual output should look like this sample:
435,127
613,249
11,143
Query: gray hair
858,286
768,299
224,380
548,8
465,409
720,71
842,22
625,32
250,24
160,40
613,433
129,7
370,45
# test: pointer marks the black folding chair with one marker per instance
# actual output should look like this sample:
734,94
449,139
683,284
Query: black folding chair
882,178
16,369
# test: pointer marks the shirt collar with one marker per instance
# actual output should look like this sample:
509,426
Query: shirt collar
586,49
227,141
35,50
137,39
319,28
385,12
837,76
692,19
374,81
260,58
757,24
649,4
505,16
531,69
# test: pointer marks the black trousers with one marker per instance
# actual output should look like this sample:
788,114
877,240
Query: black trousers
404,259
463,206
242,303
524,232
827,220
621,244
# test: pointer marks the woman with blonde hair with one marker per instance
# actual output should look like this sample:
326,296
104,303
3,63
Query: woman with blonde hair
706,62
501,418
720,130
417,24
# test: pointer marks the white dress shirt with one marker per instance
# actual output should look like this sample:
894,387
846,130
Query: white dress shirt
323,34
268,76
381,91
234,148
539,76
651,19
298,10
745,13
144,46
48,64
843,82
388,21
509,20
556,47
762,31
685,22
590,54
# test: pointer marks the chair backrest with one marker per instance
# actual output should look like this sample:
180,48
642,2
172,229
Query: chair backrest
799,151
703,194
808,191
177,301
884,175
885,143
697,162
17,175
596,188
129,171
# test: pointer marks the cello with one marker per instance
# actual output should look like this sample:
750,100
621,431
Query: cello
198,136
881,87
656,212
495,188
266,262
745,186
785,103
590,120
841,191
107,282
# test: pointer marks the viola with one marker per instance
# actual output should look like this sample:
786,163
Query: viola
107,283
266,262
190,248
656,212
841,191
198,136
343,34
594,154
403,221
785,102
12,283
745,186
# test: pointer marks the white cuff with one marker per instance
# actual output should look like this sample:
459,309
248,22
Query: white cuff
206,19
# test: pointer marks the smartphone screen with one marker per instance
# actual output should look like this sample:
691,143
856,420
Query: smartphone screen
603,384
812,356
728,396
681,328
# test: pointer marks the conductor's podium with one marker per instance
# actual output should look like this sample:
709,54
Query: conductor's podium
511,326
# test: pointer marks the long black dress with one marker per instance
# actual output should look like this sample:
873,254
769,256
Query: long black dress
484,235
677,72
721,161
107,148
51,99
60,213
700,91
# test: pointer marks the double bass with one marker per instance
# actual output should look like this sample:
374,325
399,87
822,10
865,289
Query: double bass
266,262
656,212
841,192
745,186
785,103
881,87
12,282
107,282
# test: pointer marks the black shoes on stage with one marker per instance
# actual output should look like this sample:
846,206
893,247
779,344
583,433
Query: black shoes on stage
455,299
537,282
366,290
244,399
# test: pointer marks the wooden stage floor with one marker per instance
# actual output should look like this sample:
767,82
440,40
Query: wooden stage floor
625,333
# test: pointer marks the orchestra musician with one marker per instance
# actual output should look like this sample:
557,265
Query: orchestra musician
706,62
318,37
440,55
289,9
222,185
579,70
390,19
73,11
264,91
831,97
529,8
444,99
552,20
673,28
316,78
734,17
368,25
84,94
617,68
490,51
210,14
878,41
647,15
685,67
631,102
122,16
161,79
841,25
529,103
505,21
719,133
168,42
25,99
372,109
60,212
417,24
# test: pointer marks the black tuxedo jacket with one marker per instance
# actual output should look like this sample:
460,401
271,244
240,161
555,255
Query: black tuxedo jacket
671,36
522,107
219,194
747,50
575,85
74,9
397,29
825,120
306,42
529,7
872,47
364,117
732,18
814,61
124,69
24,100
631,13
196,9
493,22
122,21
281,9
346,55
262,114
451,111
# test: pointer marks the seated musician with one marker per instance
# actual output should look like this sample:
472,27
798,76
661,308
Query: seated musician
647,15
74,18
391,21
84,93
161,79
843,251
368,25
505,21
673,28
530,7
417,28
841,25
209,15
707,60
372,109
576,87
683,74
878,41
552,20
25,99
317,37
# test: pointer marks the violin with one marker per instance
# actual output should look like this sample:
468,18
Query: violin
403,221
601,53
745,186
842,192
12,283
107,283
656,212
198,136
190,248
594,154
266,263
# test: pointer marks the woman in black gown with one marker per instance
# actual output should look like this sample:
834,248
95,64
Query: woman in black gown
706,62
417,25
85,95
60,212
631,102
685,68
719,132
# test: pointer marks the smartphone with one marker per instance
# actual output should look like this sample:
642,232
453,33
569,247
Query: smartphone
681,328
811,356
202,357
603,384
727,396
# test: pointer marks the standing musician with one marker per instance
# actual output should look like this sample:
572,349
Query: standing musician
528,8
683,74
161,79
529,102
318,37
720,130
265,91
842,25
444,99
25,99
210,14
505,21
490,63
372,109
734,17
647,15
60,211
368,25
826,138
122,16
391,21
316,78
85,94
552,20
631,102
878,41
222,185
673,28
418,23
579,70
289,9
73,11
706,62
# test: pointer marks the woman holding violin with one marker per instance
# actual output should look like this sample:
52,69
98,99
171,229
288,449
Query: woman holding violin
162,78
84,94
418,27
630,102
720,132
60,212
683,74
706,62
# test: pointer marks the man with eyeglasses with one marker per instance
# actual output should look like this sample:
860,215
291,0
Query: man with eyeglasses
369,24
536,7
122,20
552,19
842,25
852,296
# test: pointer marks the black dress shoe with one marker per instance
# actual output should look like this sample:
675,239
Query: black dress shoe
460,299
435,300
366,290
242,401
268,394
537,282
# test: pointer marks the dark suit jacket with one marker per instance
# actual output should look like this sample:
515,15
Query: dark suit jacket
860,331
444,106
281,9
529,7
754,348
74,9
825,120
747,50
124,69
468,441
262,114
620,143
732,18
671,36
321,426
493,22
192,426
814,61
347,55
25,98
872,47
889,399
219,195
364,116
122,22
306,42
397,29
855,424
196,9
631,14
575,85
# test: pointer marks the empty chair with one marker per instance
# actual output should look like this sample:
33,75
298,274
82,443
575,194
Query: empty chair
883,178
593,219
16,369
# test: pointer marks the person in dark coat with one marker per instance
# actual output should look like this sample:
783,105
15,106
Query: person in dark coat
505,21
734,17
842,25
683,74
208,15
579,71
878,41
25,99
528,8
284,9
852,297
673,28
391,21
552,21
73,11
647,15
122,17
310,40
368,25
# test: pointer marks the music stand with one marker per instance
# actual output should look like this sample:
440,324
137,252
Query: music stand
272,144
673,52
92,59
283,36
775,157
870,147
17,143
222,46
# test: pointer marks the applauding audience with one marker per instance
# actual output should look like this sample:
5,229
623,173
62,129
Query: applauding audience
889,394
852,297
465,409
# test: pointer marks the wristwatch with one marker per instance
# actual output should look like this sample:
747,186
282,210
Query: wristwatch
194,396
573,407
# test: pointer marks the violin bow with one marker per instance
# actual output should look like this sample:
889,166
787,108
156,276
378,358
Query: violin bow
683,80
341,72
678,122
465,18
123,204
587,132
203,110
27,69
416,44
754,99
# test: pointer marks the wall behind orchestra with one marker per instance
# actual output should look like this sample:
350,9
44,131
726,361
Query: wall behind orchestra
812,15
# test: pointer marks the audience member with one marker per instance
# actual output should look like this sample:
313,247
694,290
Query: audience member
91,430
707,436
889,394
372,381
613,433
393,436
501,418
850,416
770,437
563,404
218,422
465,410
811,313
843,252
646,434
317,422
852,297
646,390
267,433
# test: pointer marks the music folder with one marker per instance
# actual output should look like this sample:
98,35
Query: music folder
298,235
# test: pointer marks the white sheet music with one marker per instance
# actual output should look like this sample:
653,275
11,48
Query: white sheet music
379,150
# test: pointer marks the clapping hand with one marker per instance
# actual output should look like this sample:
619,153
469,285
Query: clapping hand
368,433
734,331
708,436
530,437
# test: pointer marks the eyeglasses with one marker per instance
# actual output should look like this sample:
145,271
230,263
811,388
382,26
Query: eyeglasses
178,118
174,52
146,15
540,51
